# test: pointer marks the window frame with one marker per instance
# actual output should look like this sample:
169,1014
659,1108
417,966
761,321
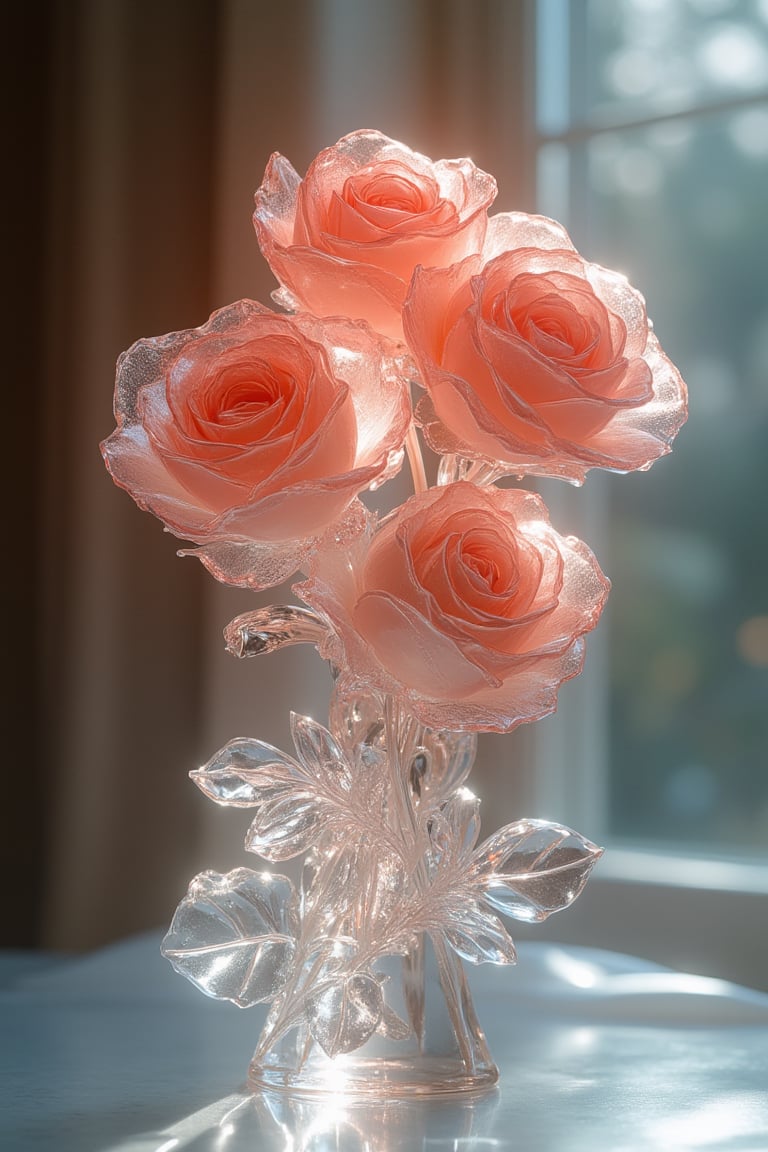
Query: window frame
706,914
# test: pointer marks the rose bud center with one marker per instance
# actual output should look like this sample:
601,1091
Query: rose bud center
395,191
248,391
559,323
480,556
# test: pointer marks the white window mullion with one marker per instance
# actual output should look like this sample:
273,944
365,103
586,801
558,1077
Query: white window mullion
704,913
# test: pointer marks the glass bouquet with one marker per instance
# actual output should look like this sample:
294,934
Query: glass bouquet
462,610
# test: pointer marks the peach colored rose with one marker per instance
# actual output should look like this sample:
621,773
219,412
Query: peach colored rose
465,604
254,433
346,239
538,360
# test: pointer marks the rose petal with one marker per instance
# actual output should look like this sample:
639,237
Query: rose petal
413,651
409,619
510,230
367,212
326,286
527,695
550,369
276,199
135,466
246,565
192,463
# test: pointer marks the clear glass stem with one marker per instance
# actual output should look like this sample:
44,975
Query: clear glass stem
416,460
428,1040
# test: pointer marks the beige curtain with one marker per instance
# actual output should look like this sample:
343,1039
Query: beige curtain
132,103
160,117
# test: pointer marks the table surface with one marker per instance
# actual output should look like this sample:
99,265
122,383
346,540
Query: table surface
596,1051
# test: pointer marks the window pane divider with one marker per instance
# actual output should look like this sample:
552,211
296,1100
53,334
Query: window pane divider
582,131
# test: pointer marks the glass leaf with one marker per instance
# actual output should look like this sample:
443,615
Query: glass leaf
393,1026
448,758
267,629
532,868
333,881
319,752
357,721
461,813
240,773
311,869
344,1012
450,469
384,894
233,935
250,563
285,826
454,829
478,935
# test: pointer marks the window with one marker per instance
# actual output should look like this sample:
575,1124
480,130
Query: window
652,146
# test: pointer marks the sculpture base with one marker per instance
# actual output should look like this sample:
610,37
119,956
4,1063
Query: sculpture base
444,1052
395,1078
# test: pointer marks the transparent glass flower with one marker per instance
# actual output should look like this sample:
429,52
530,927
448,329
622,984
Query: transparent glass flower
461,610
363,962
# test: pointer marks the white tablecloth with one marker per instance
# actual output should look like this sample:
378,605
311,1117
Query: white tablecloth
596,1051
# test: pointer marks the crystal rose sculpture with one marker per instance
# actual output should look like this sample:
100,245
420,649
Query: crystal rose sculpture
346,239
539,361
459,611
252,434
466,604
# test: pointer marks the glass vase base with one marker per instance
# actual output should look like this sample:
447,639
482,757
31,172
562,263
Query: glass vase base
375,1078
